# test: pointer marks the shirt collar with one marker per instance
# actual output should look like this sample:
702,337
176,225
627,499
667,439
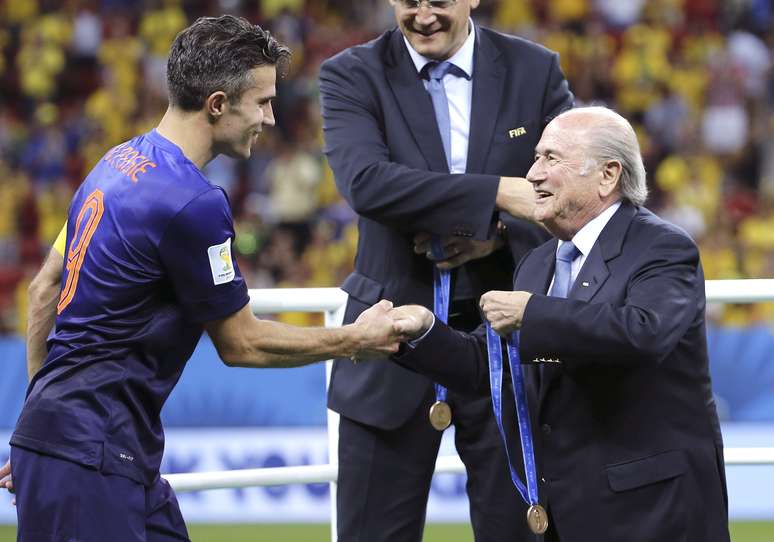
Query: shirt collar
586,237
463,58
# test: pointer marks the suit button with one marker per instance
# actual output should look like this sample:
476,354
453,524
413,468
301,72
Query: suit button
546,429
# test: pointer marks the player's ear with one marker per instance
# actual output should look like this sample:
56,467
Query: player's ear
215,104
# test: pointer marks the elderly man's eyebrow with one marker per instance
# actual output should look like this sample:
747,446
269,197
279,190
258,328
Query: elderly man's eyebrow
545,151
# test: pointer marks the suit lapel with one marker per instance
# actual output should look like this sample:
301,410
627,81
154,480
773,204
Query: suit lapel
488,85
415,103
540,281
592,275
609,244
536,272
535,276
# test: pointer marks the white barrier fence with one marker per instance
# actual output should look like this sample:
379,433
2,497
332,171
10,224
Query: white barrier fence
315,474
332,301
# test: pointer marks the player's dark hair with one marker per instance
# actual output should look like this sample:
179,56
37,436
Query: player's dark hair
217,53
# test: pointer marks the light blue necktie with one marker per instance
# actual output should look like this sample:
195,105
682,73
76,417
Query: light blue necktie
563,272
435,73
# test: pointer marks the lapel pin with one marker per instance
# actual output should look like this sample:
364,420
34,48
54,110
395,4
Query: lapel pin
516,132
584,283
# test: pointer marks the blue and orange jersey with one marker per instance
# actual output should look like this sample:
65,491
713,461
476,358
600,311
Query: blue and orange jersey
147,261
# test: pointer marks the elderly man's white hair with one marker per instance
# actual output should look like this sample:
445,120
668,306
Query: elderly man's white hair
609,136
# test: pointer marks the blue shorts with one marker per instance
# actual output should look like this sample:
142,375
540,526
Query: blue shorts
61,501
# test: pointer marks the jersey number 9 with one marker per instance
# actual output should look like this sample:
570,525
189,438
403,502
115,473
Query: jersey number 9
85,225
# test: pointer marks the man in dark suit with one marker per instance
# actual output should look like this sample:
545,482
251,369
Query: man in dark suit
408,179
612,341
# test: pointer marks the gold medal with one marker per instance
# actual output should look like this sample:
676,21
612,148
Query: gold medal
440,415
537,519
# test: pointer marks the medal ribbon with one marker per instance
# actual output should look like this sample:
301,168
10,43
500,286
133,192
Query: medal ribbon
494,348
441,288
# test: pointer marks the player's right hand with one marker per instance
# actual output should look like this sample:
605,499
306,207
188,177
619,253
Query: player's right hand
377,335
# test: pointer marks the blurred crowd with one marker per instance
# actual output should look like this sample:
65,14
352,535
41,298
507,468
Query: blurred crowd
694,76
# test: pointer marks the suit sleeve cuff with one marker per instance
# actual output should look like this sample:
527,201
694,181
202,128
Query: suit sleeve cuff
413,343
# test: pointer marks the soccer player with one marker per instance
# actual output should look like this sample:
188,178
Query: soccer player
148,268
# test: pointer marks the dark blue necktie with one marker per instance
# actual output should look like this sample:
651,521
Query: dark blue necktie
435,72
563,272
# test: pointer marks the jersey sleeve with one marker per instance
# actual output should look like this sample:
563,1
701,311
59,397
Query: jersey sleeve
61,241
196,253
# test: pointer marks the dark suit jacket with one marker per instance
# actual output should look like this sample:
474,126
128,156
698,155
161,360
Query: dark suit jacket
627,436
382,142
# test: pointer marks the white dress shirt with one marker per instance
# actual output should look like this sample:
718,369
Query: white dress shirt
585,238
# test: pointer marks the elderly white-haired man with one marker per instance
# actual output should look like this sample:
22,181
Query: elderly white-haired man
610,321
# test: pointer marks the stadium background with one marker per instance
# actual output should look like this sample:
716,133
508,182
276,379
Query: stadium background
77,77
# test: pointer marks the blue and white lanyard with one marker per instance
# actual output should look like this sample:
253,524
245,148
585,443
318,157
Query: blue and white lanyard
441,288
494,347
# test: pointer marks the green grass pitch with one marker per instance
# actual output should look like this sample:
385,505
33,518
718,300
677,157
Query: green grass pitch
748,531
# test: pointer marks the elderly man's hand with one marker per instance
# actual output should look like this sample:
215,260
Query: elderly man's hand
412,321
456,250
504,310
382,328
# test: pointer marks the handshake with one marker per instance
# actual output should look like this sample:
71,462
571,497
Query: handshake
381,329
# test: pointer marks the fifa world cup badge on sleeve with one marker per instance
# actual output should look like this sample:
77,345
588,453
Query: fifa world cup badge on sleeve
221,265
